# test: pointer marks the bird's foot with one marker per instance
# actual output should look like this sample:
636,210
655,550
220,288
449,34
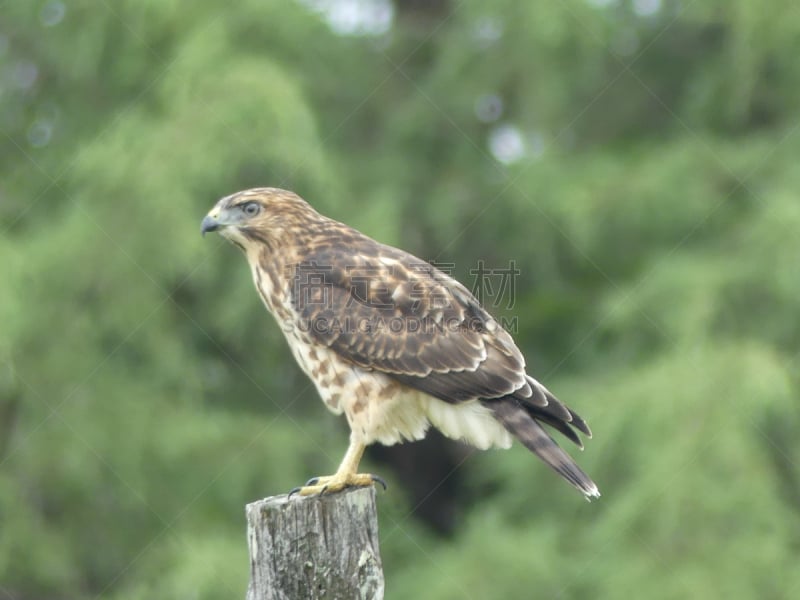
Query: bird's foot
336,483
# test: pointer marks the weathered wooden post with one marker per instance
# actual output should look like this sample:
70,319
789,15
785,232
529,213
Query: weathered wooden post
318,547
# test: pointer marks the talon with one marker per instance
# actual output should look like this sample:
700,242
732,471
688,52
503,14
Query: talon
317,486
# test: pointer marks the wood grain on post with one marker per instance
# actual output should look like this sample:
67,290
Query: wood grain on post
319,547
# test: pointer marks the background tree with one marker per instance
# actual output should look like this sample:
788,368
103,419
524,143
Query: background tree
637,162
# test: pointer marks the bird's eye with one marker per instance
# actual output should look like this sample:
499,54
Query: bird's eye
251,209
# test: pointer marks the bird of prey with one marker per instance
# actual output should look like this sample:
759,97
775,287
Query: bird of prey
389,340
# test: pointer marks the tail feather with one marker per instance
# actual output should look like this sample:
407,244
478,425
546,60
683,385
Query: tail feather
521,421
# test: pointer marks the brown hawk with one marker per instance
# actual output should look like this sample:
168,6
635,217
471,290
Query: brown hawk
389,340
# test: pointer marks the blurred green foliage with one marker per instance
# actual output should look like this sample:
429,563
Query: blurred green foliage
637,160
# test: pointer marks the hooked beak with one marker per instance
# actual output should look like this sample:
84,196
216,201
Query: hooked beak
209,224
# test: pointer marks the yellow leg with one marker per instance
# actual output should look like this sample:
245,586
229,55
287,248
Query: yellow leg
346,475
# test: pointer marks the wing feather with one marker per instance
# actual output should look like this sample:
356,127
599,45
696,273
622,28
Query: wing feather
518,421
437,338
386,310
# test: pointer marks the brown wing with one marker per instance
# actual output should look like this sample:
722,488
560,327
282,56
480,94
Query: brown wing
383,309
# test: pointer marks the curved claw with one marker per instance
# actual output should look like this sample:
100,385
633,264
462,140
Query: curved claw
318,486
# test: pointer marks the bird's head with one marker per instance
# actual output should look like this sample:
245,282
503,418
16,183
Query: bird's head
258,215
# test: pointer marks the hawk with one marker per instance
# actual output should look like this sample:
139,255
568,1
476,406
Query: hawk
389,340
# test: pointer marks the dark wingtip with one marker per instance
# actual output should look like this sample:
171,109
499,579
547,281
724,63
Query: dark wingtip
580,424
523,425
